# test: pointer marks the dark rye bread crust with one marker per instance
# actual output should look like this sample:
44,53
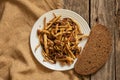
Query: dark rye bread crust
95,52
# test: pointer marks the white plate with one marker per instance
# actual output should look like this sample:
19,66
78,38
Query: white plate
39,25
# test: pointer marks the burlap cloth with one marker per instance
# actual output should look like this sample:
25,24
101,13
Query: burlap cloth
16,60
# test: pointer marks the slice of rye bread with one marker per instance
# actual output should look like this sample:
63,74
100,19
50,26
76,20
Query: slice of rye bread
96,51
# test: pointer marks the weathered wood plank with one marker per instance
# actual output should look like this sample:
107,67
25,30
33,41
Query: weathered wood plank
81,7
103,12
117,35
2,6
118,7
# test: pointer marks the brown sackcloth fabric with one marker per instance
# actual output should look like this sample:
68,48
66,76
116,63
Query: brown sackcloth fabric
16,60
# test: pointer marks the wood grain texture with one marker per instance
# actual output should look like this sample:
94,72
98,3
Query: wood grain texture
103,12
117,35
117,39
118,7
2,7
81,7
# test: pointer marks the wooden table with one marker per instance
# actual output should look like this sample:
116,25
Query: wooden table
106,12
